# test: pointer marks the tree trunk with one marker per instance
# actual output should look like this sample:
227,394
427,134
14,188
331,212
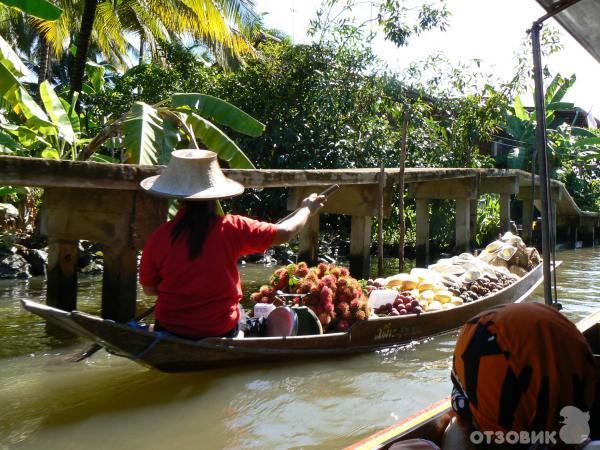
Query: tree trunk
44,60
83,44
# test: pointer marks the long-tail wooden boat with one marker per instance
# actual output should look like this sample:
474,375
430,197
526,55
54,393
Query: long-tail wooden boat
431,422
172,354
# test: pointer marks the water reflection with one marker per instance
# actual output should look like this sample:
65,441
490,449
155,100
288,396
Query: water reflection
108,402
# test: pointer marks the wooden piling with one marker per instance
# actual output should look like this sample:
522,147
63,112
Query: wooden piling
527,221
309,241
504,213
403,151
463,225
119,283
360,246
422,212
380,221
61,291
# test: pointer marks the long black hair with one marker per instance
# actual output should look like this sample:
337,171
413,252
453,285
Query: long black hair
198,217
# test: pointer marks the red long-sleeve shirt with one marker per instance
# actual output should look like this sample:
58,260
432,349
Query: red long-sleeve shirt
198,298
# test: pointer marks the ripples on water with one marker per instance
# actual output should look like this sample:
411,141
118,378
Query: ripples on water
108,402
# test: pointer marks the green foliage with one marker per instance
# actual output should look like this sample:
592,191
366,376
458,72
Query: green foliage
488,219
42,9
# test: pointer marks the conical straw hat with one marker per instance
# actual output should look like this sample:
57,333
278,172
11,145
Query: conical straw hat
192,175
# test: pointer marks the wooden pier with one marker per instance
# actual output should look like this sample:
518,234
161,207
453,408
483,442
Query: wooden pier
103,203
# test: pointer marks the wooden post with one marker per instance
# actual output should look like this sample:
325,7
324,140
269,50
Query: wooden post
572,235
552,213
119,283
309,241
380,221
402,236
504,213
61,290
473,204
360,247
463,221
422,211
527,221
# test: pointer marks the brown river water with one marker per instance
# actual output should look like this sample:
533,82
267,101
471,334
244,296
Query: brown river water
107,402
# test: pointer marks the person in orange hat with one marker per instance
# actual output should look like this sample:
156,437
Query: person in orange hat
520,368
190,262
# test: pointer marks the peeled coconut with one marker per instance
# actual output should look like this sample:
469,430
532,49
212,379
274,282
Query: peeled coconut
493,247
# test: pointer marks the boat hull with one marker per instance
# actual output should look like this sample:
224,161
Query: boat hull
172,354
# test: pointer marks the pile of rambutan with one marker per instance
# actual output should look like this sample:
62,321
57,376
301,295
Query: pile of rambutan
336,298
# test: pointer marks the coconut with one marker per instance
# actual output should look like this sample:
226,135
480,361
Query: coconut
466,256
513,240
507,252
451,281
518,271
494,247
499,262
455,270
486,256
471,275
520,258
448,305
533,257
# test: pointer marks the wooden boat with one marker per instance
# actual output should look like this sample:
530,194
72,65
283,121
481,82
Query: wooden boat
172,354
431,422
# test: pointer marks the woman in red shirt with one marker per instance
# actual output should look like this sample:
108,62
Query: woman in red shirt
190,262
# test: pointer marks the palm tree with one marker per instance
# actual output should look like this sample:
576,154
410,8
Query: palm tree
218,24
225,27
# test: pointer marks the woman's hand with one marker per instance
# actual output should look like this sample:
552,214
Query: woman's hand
314,202
292,225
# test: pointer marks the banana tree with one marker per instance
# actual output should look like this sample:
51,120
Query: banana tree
520,124
151,132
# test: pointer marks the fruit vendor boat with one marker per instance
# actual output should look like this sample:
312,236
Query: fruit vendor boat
172,354
431,422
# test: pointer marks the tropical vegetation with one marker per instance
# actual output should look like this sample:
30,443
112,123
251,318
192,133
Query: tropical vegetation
205,72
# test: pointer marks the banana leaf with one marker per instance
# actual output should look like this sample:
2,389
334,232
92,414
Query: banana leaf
41,9
57,112
217,141
220,111
22,103
12,61
142,134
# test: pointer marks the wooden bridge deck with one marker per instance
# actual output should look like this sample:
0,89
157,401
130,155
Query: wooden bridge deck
103,203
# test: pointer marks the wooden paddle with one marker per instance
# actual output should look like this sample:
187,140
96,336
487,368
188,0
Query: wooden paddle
80,356
326,193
